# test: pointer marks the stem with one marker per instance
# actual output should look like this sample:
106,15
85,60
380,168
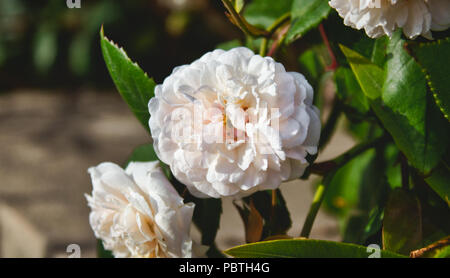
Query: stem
278,22
272,212
423,251
326,167
324,36
313,210
239,21
263,47
271,30
278,41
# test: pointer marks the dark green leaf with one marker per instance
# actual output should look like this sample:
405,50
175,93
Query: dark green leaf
434,58
404,108
306,14
402,223
418,128
135,87
143,153
263,13
101,252
304,248
207,217
379,51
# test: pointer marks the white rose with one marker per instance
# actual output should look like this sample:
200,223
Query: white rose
137,212
248,124
383,17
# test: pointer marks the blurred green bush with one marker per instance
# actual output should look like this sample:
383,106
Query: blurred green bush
46,44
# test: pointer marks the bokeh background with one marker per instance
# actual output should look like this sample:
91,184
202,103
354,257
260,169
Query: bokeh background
60,112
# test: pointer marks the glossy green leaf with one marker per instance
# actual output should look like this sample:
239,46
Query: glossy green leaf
404,107
434,58
370,77
135,87
304,248
306,14
417,126
263,13
402,223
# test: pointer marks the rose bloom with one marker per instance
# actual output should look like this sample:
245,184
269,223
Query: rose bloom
245,123
137,213
416,17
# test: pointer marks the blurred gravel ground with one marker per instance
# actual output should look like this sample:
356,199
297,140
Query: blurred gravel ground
49,139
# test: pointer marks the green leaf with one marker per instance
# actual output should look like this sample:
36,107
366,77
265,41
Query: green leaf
349,91
402,223
135,87
379,51
143,153
404,107
263,13
434,57
303,248
306,14
418,128
439,180
102,252
206,217
370,76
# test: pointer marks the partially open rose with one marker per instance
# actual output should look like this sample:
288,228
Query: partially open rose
137,212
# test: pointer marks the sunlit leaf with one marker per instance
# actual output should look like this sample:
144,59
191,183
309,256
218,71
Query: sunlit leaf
304,248
133,84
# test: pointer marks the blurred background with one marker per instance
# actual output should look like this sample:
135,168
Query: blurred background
60,112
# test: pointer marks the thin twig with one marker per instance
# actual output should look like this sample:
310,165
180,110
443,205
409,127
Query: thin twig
325,167
324,36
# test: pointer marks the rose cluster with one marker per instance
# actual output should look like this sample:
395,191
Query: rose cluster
229,124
